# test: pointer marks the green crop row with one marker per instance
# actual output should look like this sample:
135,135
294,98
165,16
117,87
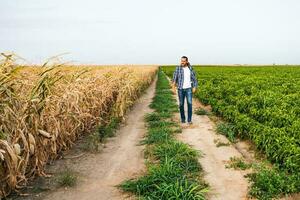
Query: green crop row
263,104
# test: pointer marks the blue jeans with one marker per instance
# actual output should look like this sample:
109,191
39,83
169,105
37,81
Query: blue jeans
182,93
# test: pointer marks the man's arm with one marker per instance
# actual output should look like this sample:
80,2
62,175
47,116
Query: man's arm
175,77
194,80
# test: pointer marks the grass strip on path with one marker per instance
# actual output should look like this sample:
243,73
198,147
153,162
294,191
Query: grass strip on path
173,168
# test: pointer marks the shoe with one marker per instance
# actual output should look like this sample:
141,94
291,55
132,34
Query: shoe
190,122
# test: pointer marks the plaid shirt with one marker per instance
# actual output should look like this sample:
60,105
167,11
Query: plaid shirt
178,77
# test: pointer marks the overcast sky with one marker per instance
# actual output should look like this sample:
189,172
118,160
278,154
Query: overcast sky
153,31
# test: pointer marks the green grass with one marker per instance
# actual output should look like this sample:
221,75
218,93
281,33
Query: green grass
219,143
108,130
185,157
3,136
158,135
238,163
227,130
166,181
160,124
67,178
173,168
92,141
269,183
201,111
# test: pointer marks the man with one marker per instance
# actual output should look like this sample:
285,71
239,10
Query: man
185,79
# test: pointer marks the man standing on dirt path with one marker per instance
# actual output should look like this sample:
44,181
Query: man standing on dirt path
185,79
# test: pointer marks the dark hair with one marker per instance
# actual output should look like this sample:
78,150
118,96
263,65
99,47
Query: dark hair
186,58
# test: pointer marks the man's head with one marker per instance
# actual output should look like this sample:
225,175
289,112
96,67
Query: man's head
184,61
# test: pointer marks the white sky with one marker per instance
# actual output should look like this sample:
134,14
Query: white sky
153,31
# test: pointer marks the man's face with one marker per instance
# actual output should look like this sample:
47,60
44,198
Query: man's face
183,62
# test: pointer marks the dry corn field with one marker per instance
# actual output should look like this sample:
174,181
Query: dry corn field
44,109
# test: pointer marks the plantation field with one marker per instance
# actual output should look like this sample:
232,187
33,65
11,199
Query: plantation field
44,109
262,103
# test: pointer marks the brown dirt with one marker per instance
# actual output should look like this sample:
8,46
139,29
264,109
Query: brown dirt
121,159
225,183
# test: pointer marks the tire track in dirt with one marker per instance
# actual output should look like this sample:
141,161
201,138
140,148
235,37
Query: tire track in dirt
225,183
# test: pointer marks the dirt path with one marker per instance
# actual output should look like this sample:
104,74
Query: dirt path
122,158
225,183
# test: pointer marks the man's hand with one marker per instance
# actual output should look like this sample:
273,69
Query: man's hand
194,89
174,88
